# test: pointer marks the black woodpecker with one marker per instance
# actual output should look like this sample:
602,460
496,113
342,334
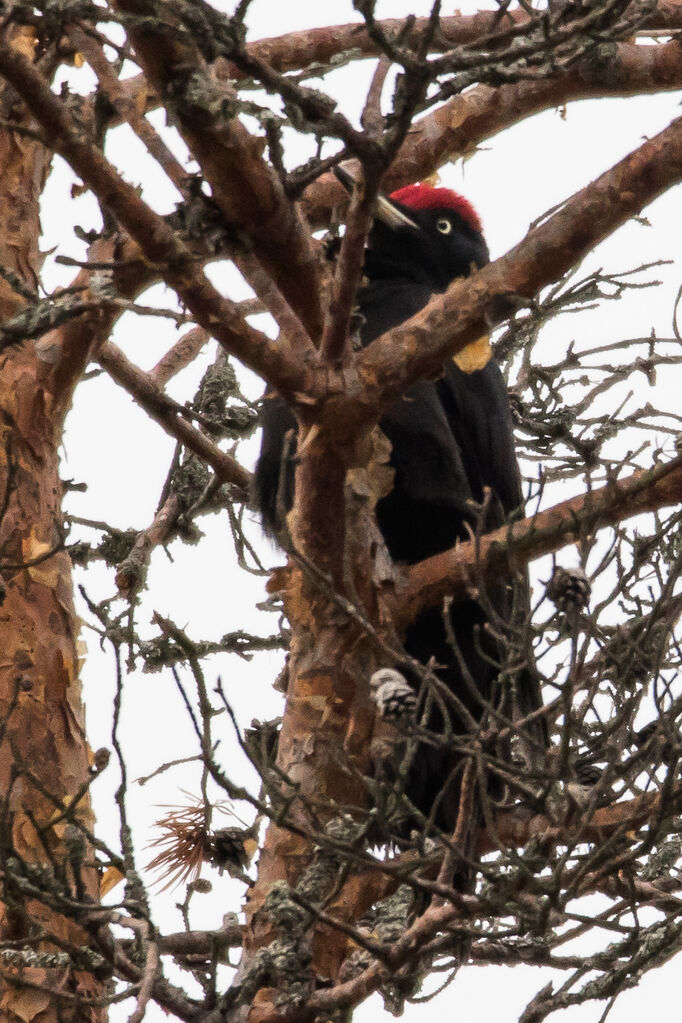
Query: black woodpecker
455,472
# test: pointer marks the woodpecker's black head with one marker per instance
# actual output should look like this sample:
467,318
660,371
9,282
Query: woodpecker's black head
421,240
426,235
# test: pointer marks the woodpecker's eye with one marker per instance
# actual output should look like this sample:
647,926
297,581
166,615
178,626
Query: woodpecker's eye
443,225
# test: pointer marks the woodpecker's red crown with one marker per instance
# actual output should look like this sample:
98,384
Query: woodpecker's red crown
425,197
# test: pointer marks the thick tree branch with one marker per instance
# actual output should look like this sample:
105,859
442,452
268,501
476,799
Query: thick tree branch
242,184
296,51
202,943
618,69
455,572
517,828
158,243
455,128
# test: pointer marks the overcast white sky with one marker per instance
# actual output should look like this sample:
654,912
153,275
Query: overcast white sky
124,458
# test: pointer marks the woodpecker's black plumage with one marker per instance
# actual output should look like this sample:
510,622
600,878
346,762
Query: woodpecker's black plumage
453,455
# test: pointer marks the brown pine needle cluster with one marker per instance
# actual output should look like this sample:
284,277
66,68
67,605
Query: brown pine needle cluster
185,843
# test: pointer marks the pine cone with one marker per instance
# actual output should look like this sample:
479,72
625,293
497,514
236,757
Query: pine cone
393,694
569,589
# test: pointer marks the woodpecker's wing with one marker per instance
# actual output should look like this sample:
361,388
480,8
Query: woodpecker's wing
273,478
431,500
476,405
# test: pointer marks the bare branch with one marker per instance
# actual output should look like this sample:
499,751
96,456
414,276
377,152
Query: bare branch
169,415
183,352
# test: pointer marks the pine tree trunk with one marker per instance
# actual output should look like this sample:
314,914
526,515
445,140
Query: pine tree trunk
43,752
